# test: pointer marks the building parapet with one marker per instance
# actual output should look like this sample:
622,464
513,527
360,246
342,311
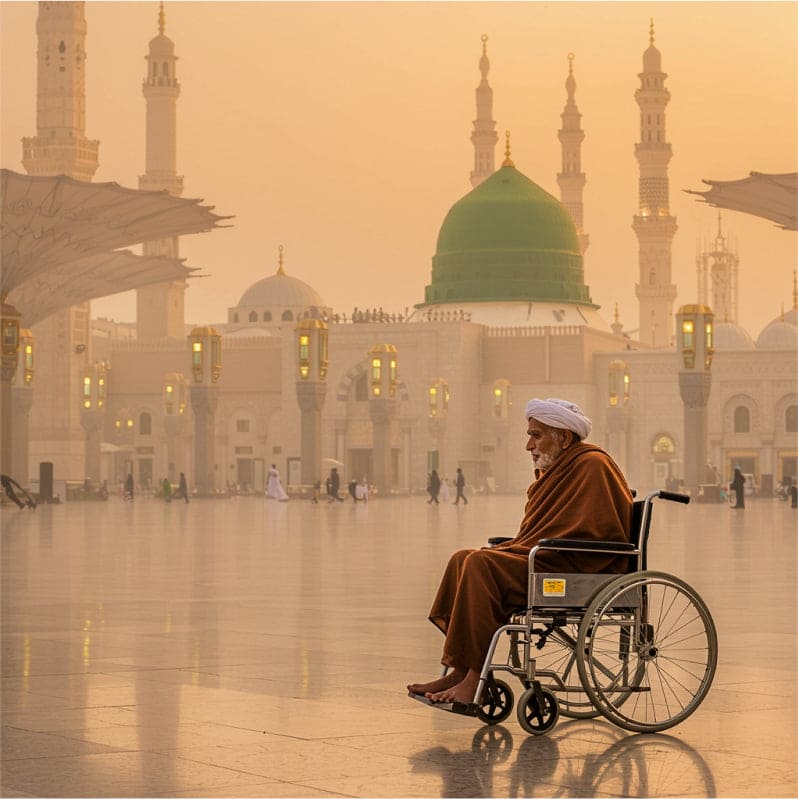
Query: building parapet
534,331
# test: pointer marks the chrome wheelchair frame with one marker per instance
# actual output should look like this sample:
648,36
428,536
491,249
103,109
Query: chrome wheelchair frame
638,648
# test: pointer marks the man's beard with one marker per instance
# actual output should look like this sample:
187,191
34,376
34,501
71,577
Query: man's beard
546,460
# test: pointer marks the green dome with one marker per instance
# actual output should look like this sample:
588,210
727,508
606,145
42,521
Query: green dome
507,240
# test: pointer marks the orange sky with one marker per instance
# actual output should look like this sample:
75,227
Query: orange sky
341,130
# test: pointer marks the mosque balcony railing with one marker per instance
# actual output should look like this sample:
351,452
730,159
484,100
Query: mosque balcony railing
534,331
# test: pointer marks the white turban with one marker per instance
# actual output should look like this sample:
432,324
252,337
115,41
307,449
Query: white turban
561,414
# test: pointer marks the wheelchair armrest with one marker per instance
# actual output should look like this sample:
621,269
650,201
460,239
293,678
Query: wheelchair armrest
499,539
595,546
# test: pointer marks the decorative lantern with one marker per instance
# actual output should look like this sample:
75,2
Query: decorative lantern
619,383
438,398
9,337
26,356
501,398
93,387
206,355
383,375
312,349
695,327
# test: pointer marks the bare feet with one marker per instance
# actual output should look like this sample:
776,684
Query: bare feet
463,691
443,683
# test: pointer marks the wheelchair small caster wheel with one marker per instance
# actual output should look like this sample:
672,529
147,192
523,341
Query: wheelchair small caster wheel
537,720
497,702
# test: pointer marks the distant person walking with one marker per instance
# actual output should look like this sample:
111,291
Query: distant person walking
434,487
167,490
738,486
182,488
459,484
129,486
274,488
334,485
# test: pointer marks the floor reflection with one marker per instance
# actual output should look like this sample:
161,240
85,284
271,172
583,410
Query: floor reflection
599,759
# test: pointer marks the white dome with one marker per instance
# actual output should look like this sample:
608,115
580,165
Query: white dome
778,335
280,290
731,336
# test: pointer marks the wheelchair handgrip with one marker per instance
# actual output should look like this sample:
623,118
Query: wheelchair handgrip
499,539
674,497
574,543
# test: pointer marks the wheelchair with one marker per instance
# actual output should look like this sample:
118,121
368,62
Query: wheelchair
639,648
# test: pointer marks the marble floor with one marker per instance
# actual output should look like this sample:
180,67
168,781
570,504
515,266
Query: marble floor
248,648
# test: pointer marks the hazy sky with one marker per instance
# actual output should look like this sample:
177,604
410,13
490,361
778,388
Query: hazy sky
341,130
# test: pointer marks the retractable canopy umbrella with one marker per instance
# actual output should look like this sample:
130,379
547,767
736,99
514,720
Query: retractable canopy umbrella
60,239
773,197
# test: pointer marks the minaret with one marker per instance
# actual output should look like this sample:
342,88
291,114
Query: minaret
572,180
654,225
717,275
60,147
160,309
484,137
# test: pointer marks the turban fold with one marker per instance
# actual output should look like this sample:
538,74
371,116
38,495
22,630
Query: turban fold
561,414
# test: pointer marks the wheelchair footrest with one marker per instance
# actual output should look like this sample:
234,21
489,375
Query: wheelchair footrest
461,708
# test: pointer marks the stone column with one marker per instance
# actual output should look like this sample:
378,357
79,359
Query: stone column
21,402
695,336
174,426
311,396
92,422
204,401
617,427
382,411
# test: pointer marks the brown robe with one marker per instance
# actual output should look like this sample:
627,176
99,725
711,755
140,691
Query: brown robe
583,495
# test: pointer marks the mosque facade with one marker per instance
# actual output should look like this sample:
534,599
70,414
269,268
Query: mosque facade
507,315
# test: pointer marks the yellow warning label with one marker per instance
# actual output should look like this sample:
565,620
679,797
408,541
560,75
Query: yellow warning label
552,587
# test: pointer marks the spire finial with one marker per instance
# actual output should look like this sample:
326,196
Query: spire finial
484,64
507,160
617,315
280,270
651,32
571,57
161,20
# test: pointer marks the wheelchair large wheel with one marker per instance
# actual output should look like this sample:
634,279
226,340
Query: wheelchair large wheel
558,655
535,717
497,702
647,651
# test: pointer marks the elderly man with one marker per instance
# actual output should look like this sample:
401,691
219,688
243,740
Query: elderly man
579,492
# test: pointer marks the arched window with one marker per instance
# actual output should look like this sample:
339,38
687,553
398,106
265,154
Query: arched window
235,317
253,316
791,419
742,419
154,69
652,277
145,424
288,316
166,70
267,316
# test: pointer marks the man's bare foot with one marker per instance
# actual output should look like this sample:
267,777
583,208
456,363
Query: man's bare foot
443,683
463,691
